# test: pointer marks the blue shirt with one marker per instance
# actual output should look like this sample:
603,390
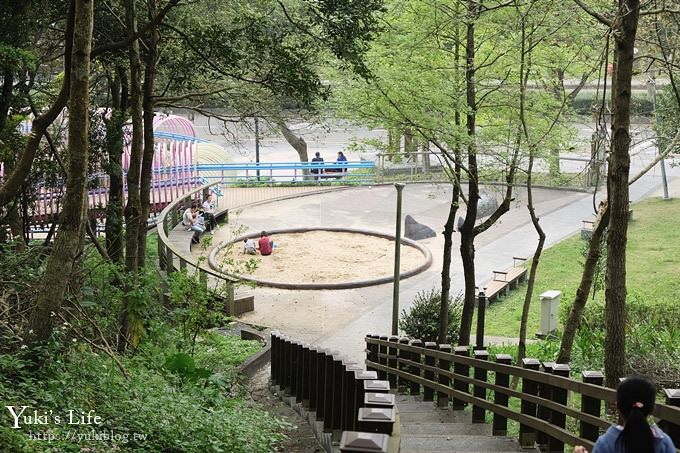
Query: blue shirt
610,442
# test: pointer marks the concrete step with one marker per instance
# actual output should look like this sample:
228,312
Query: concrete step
421,406
445,429
433,416
433,443
405,398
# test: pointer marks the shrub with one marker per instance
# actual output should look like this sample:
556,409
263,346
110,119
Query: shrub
651,325
422,320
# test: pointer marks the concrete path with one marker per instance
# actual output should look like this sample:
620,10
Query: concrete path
340,319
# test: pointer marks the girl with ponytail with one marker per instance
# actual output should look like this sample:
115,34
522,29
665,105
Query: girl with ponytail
635,400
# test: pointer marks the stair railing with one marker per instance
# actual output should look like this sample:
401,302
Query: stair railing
540,403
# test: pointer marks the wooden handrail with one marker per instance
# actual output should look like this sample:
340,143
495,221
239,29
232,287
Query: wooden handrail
164,242
410,363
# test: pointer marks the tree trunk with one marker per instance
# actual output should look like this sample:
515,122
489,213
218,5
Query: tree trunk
6,95
133,207
467,236
410,145
298,143
393,140
70,237
576,312
114,148
149,145
446,265
524,70
617,193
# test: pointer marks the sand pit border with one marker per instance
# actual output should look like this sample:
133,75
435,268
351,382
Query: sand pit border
212,260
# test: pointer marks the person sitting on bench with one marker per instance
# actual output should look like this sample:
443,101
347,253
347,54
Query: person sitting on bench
341,160
190,221
209,213
319,160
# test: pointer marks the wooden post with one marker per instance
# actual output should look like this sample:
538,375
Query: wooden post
305,374
382,350
403,355
560,396
372,399
591,406
527,435
673,399
500,423
392,361
273,344
295,370
357,393
288,363
478,412
481,316
428,393
170,265
318,399
352,441
328,392
338,372
462,370
542,412
377,386
349,407
444,379
312,377
371,351
376,420
416,357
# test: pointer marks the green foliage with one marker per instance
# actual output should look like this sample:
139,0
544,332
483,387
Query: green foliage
422,319
151,411
184,366
666,118
650,326
194,308
543,350
653,316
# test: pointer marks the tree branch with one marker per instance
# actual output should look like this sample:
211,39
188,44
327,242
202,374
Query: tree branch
599,17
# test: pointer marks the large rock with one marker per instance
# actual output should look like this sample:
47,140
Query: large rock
487,205
417,231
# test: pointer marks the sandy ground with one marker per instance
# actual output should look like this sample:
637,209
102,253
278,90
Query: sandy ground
328,257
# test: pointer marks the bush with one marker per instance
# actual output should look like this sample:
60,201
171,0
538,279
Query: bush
422,320
651,326
156,409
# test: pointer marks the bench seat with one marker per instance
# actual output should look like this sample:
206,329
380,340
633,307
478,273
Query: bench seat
495,289
513,276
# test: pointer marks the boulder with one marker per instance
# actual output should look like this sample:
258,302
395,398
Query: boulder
417,231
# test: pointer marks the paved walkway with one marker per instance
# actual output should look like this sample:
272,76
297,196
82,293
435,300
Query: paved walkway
340,319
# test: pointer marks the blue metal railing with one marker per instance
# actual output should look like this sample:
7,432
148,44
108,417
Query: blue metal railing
289,172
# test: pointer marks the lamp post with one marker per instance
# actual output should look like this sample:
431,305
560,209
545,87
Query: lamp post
397,260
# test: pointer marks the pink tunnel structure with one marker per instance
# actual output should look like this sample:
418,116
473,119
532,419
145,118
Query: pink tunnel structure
174,171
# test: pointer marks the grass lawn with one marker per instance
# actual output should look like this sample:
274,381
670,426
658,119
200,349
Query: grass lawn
652,268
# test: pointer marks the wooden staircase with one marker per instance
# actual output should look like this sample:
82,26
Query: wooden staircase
427,429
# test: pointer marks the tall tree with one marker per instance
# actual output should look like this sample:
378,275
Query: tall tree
117,79
69,239
625,26
149,105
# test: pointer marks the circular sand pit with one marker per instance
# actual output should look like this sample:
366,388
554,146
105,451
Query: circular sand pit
325,258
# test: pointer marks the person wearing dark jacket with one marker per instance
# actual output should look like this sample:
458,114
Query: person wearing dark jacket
318,159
